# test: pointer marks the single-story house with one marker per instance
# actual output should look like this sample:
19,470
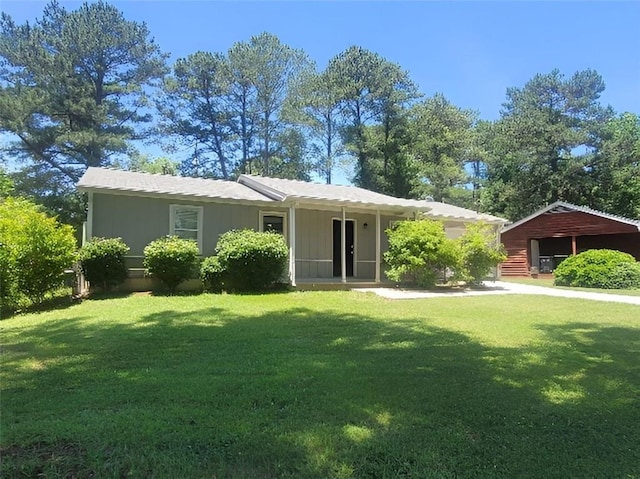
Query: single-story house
334,233
538,243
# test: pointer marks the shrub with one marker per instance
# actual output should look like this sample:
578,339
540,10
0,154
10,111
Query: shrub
36,249
595,269
419,251
9,295
480,252
212,274
102,261
624,276
246,260
171,259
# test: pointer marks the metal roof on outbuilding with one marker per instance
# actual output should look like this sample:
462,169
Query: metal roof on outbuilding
564,207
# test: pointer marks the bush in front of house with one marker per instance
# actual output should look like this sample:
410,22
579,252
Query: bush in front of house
212,274
171,259
480,251
419,252
625,276
9,296
102,262
596,268
246,260
35,251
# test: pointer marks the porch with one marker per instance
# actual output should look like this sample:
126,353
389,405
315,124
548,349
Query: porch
336,284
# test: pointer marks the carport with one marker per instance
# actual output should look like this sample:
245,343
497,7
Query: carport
538,243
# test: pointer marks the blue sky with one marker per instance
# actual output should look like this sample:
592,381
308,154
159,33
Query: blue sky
469,51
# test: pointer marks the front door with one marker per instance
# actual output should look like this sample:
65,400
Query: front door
337,247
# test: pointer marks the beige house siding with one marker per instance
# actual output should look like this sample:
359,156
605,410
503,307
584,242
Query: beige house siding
140,220
137,220
138,207
454,229
220,218
314,243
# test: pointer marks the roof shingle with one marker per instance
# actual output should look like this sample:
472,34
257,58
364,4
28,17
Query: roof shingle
135,182
259,189
327,193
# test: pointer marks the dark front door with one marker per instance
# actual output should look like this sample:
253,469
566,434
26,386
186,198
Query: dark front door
337,247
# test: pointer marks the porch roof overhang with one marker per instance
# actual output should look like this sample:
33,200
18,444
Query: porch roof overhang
316,195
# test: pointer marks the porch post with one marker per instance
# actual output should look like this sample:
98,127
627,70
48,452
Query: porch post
574,245
535,254
343,244
377,246
292,244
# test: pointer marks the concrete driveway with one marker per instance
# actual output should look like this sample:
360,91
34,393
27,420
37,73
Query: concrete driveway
501,287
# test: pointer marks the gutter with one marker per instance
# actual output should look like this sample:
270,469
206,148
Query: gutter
261,188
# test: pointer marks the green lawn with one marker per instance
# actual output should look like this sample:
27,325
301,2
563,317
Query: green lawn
322,384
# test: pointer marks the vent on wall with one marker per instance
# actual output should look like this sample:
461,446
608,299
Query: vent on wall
560,209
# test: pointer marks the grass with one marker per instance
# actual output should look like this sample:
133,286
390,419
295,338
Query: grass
548,283
322,384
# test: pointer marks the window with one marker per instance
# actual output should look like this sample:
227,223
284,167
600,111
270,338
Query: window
186,222
273,222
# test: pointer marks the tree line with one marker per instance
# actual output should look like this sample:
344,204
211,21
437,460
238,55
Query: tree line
80,88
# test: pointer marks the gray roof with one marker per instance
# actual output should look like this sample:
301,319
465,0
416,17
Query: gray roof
563,207
280,189
259,189
445,211
151,184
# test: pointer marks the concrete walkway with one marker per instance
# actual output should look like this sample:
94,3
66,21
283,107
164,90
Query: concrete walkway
501,287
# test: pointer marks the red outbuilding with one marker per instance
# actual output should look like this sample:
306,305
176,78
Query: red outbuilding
538,243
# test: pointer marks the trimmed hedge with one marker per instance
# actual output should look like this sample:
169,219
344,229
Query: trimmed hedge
102,262
171,259
246,260
599,268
